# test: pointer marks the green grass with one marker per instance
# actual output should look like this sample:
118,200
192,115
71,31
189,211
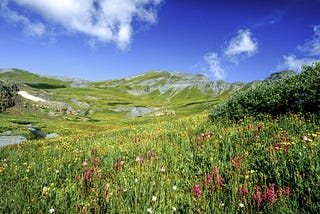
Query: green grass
34,80
82,171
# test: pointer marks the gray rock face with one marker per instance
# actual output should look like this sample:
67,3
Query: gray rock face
8,95
11,140
133,111
52,135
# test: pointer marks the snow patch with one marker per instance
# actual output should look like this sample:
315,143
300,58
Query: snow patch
30,97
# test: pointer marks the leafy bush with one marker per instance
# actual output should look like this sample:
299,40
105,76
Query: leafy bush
295,94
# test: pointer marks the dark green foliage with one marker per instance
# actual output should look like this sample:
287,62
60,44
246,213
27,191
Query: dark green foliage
295,94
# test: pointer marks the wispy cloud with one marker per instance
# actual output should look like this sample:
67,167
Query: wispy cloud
103,21
312,47
270,19
31,28
214,63
243,45
309,51
239,48
291,62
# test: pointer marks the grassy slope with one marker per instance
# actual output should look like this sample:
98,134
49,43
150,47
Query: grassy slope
188,158
101,96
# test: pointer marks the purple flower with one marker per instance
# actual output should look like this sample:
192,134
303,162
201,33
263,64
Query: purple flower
197,191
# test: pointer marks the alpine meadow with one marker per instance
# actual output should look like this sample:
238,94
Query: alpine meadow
160,142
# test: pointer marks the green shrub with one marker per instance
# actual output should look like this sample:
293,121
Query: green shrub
295,94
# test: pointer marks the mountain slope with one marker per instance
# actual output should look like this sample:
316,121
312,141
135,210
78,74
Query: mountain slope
153,93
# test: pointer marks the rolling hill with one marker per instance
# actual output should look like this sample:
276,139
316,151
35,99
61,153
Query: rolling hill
151,94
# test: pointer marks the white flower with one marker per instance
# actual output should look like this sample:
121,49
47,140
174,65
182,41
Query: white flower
149,210
174,188
136,180
51,210
241,205
174,209
57,171
222,204
154,198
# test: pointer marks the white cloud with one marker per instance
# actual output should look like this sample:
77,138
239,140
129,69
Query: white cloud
291,62
215,67
32,28
101,20
242,45
312,47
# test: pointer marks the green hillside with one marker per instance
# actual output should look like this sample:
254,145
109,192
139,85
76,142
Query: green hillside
144,144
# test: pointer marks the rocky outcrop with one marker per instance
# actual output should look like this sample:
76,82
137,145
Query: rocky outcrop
8,94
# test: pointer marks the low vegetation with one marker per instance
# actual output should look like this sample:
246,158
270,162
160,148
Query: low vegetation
298,93
237,163
166,165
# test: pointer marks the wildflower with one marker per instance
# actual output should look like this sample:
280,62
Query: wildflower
76,177
57,171
287,191
279,192
209,178
243,190
174,209
222,204
85,163
117,165
154,198
277,146
257,196
136,180
163,169
153,155
241,205
149,210
218,176
236,163
149,154
197,191
305,138
51,210
269,195
174,188
139,159
45,190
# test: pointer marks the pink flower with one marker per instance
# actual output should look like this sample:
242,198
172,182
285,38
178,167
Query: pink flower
257,196
76,178
209,178
279,192
149,154
243,191
287,191
218,176
197,191
235,162
140,160
163,169
305,138
269,195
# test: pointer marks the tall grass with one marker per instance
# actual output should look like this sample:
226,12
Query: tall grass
170,165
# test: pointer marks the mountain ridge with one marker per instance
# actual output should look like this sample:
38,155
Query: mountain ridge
151,93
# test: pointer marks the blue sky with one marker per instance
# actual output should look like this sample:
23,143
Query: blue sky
231,40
